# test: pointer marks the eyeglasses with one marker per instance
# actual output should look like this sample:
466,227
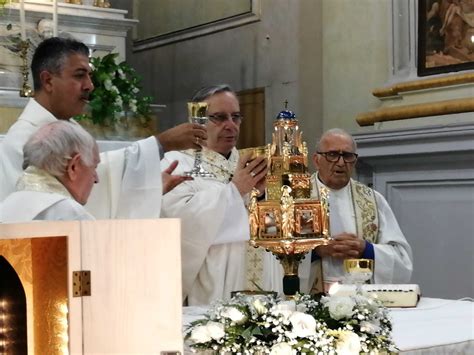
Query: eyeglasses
219,118
333,156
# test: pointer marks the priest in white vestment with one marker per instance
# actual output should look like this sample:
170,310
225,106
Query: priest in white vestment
131,183
361,222
215,228
60,161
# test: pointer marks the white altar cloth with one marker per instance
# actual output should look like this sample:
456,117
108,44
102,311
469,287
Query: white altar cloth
435,326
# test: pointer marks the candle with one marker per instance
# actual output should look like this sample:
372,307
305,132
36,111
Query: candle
22,20
55,18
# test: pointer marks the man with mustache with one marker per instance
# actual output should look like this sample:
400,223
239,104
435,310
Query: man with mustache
215,227
361,221
131,184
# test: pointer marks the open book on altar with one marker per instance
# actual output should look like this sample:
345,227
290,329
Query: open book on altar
91,287
405,295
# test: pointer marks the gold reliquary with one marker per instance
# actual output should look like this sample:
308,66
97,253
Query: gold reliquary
289,222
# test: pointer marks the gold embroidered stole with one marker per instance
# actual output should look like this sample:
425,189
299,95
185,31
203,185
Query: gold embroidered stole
366,212
366,219
35,179
217,164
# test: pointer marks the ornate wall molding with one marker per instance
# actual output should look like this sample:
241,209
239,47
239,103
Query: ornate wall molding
422,84
438,108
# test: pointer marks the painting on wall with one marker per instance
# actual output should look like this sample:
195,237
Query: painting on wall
167,21
445,36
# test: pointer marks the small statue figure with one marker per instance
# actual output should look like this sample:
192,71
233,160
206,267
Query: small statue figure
253,213
287,212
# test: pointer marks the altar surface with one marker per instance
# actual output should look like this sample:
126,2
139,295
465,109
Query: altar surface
435,326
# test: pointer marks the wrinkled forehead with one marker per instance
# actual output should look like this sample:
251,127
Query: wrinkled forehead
223,102
337,142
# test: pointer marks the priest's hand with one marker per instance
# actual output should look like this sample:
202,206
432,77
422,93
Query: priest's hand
250,174
183,136
171,181
344,245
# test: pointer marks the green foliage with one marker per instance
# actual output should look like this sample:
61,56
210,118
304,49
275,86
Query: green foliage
116,91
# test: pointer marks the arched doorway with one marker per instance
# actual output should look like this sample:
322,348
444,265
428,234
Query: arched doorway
13,331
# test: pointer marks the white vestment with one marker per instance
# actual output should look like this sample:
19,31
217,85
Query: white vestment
129,179
42,197
393,262
214,225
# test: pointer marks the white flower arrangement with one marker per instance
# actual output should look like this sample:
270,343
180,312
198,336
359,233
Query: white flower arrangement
307,325
116,91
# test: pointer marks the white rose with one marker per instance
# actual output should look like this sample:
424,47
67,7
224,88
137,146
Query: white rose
215,330
340,307
200,334
304,325
234,315
259,306
108,84
369,327
348,343
285,308
282,349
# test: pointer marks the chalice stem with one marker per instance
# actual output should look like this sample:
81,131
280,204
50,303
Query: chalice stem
197,160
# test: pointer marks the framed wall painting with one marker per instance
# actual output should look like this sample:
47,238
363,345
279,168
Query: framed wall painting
445,36
162,22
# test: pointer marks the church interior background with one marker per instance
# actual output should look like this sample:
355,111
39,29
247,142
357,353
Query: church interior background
338,63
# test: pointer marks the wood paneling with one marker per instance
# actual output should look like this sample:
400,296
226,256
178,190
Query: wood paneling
252,107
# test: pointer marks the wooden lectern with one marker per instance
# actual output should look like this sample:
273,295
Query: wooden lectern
91,287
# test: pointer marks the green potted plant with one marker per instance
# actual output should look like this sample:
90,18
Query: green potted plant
116,94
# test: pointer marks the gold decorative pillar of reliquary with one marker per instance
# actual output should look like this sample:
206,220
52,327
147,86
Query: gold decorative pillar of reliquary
288,223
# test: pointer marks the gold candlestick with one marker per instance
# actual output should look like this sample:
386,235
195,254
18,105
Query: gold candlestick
25,90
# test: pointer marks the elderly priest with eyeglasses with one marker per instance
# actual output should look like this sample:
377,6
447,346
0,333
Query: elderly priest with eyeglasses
361,221
214,220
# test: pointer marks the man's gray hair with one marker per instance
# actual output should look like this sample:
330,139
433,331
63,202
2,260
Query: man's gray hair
207,91
52,146
336,132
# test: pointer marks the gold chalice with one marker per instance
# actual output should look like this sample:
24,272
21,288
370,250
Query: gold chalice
254,152
358,271
198,114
